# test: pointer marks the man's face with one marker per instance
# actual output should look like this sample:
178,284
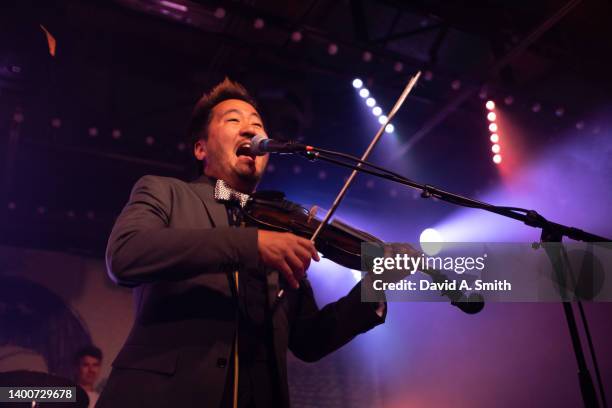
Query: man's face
88,370
233,124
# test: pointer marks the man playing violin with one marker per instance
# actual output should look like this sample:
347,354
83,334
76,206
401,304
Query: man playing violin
218,304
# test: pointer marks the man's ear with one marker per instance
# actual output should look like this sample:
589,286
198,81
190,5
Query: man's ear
199,150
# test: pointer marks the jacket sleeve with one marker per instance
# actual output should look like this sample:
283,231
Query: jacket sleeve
316,332
142,248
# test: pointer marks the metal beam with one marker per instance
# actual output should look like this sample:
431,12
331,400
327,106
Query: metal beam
433,121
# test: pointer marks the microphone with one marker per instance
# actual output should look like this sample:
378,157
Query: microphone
471,304
261,145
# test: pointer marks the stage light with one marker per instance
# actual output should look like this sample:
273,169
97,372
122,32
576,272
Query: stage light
495,148
580,125
296,36
90,215
364,93
430,235
322,175
150,140
428,75
497,159
493,127
219,13
41,210
382,119
174,6
56,123
370,102
490,105
431,241
398,67
12,205
92,132
332,49
116,134
491,116
456,85
482,94
258,23
509,100
536,107
357,83
377,111
559,112
389,128
370,184
366,56
494,138
356,275
181,147
297,169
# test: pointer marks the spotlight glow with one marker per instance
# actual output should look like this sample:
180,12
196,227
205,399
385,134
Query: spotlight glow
491,116
370,102
376,111
258,23
490,105
357,83
493,127
364,93
431,241
497,159
495,148
296,36
494,138
382,119
389,128
219,13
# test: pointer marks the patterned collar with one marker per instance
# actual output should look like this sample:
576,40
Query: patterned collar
223,192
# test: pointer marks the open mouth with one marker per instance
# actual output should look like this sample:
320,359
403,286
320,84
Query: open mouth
245,150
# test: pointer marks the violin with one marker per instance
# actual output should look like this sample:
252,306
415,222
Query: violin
338,241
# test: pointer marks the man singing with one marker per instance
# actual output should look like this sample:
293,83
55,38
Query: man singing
211,329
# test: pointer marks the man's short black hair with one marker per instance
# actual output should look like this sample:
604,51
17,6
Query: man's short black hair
90,350
202,112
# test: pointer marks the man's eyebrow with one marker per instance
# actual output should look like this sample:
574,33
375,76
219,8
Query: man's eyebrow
234,110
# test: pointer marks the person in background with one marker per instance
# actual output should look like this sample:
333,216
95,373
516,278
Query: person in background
87,364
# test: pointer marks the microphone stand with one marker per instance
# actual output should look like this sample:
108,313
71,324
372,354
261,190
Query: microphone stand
551,232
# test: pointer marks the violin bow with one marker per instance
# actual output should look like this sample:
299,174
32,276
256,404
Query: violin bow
365,156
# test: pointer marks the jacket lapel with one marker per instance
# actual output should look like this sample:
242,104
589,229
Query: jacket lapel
204,187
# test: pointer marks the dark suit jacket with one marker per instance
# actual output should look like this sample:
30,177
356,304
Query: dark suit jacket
172,243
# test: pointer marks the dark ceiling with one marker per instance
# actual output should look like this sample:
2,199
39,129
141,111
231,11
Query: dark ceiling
78,128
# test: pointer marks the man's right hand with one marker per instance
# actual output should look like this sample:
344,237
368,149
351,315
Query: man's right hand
287,253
